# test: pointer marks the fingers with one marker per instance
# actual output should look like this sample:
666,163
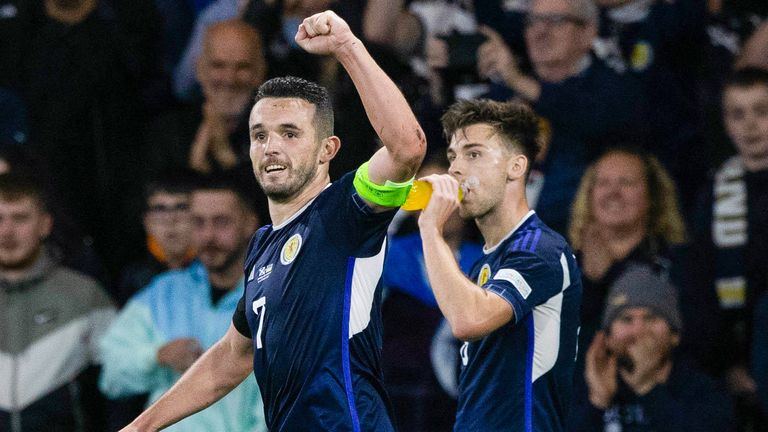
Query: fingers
318,24
443,187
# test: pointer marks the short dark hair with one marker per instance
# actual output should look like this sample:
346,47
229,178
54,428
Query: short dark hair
173,182
14,187
229,182
317,95
747,77
516,123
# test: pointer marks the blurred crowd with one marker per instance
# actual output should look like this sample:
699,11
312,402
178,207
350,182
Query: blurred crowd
127,198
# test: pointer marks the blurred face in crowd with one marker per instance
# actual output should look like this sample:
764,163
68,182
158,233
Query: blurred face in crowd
230,67
479,157
636,323
24,225
285,150
222,228
556,36
746,119
169,222
620,196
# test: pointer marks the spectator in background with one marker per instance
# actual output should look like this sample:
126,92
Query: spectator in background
585,103
634,381
625,212
185,80
87,72
732,226
52,320
167,326
662,43
168,225
411,317
730,26
67,243
213,134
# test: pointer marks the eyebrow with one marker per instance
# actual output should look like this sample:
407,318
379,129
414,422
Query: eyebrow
282,126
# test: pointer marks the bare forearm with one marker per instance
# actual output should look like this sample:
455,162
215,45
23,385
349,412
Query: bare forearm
209,379
386,107
461,301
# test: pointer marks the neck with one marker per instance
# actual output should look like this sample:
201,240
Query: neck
228,277
623,241
69,12
280,211
497,223
557,71
454,241
21,272
175,262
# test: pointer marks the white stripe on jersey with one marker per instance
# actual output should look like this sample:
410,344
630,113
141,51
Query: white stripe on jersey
546,324
365,277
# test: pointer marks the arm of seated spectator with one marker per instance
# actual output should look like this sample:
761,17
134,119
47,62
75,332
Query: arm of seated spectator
129,354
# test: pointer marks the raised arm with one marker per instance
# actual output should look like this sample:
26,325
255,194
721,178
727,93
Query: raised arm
222,368
387,109
471,311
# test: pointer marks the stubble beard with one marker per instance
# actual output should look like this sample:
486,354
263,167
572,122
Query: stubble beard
282,192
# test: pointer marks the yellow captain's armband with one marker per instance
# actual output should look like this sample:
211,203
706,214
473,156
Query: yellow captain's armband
390,194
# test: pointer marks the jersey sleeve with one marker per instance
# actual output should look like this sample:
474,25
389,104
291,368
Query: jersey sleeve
239,320
350,221
526,280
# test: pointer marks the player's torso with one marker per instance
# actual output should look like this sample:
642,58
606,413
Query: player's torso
302,305
512,369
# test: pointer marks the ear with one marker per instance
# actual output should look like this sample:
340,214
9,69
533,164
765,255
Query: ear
46,225
328,149
675,339
517,165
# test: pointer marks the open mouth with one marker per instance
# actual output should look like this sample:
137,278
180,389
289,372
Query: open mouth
274,168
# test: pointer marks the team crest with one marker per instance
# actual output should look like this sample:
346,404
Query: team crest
642,56
485,274
290,249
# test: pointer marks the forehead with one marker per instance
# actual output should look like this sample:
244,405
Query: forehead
209,202
168,196
551,6
746,95
480,133
22,204
273,112
620,163
229,44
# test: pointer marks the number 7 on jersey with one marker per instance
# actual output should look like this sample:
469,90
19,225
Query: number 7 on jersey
260,303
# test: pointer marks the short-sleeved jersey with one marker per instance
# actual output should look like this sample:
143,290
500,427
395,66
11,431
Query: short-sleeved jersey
312,307
519,377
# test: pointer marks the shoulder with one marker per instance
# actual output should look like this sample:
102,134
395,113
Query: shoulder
80,287
174,283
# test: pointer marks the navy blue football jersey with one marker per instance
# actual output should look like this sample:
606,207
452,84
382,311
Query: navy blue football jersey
519,377
312,306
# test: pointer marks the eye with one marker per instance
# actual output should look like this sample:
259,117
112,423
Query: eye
473,154
451,157
290,135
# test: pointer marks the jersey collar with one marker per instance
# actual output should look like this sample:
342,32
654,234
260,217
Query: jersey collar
519,224
299,212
